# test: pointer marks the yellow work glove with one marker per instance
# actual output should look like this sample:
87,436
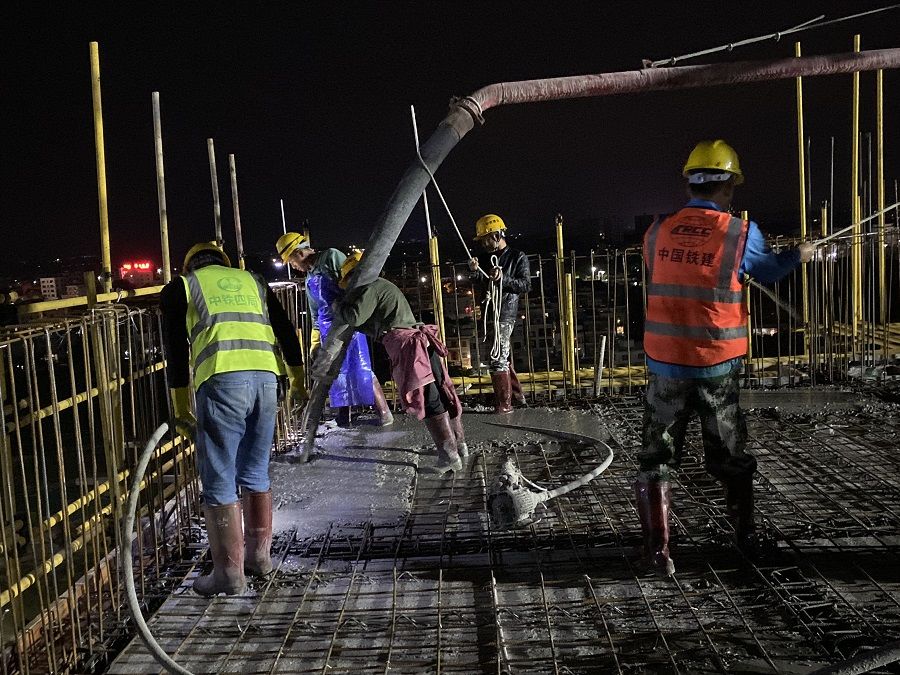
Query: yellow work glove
315,340
185,422
297,380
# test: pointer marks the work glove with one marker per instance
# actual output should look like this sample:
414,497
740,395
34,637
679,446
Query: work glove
315,341
185,422
807,251
297,380
473,264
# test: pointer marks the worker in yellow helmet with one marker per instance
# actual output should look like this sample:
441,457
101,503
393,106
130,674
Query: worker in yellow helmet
381,311
695,339
356,384
509,274
221,326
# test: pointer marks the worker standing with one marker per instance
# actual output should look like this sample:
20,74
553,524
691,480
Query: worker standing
356,384
695,338
381,311
221,326
508,276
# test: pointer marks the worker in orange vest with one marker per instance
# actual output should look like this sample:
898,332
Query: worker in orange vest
695,338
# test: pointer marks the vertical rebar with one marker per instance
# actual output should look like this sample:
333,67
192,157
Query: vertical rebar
214,179
232,172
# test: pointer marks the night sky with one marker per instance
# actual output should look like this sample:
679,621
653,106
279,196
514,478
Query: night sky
313,99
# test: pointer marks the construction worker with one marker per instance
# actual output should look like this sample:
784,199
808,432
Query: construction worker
356,384
508,275
221,326
695,338
381,311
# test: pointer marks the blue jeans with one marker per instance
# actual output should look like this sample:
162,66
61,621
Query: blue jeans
235,427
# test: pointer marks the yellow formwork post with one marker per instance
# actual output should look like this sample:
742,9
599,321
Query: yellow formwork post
436,286
570,333
161,190
746,216
856,243
801,157
561,293
99,146
882,278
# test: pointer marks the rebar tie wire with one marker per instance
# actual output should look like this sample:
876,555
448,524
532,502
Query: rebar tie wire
806,25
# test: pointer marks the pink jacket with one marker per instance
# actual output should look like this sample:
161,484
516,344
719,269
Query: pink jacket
411,367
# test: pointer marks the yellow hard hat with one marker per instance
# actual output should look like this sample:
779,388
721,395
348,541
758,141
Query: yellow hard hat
349,265
204,246
713,157
488,224
290,242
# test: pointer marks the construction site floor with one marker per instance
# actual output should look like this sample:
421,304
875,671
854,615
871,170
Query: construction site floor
382,567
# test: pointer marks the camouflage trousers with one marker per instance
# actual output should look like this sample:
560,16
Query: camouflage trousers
672,403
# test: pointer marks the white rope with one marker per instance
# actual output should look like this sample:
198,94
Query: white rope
495,286
441,195
492,310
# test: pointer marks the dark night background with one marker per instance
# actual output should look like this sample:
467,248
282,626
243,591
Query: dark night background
313,99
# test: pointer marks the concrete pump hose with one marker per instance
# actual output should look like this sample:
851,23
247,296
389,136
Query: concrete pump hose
127,569
865,662
584,480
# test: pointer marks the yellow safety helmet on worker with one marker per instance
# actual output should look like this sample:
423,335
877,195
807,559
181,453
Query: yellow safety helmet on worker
290,242
199,248
712,161
349,265
489,224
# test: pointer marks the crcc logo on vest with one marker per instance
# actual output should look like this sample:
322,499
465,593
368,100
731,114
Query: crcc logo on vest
691,235
229,284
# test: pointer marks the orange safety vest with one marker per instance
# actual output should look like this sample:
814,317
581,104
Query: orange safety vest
695,310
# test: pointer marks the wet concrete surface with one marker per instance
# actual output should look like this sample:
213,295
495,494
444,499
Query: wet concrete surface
385,568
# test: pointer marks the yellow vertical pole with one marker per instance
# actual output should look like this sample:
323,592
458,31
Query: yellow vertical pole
562,299
106,264
825,288
570,334
214,179
879,136
232,170
856,250
801,156
746,216
161,191
436,287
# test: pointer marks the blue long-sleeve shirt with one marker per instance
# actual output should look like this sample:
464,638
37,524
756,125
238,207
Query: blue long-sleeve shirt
760,262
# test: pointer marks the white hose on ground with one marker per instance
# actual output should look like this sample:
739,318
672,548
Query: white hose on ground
127,570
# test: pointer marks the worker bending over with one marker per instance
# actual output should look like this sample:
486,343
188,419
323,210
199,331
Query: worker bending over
695,338
381,311
508,268
221,325
355,384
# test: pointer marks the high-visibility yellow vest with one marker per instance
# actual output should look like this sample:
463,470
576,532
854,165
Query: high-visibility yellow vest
228,323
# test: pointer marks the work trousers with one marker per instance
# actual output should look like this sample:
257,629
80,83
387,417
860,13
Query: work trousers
434,396
235,428
670,406
501,363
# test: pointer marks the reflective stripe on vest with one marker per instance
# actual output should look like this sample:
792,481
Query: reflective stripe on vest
695,310
228,323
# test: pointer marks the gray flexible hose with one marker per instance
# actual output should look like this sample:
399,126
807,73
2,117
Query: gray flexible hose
127,570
